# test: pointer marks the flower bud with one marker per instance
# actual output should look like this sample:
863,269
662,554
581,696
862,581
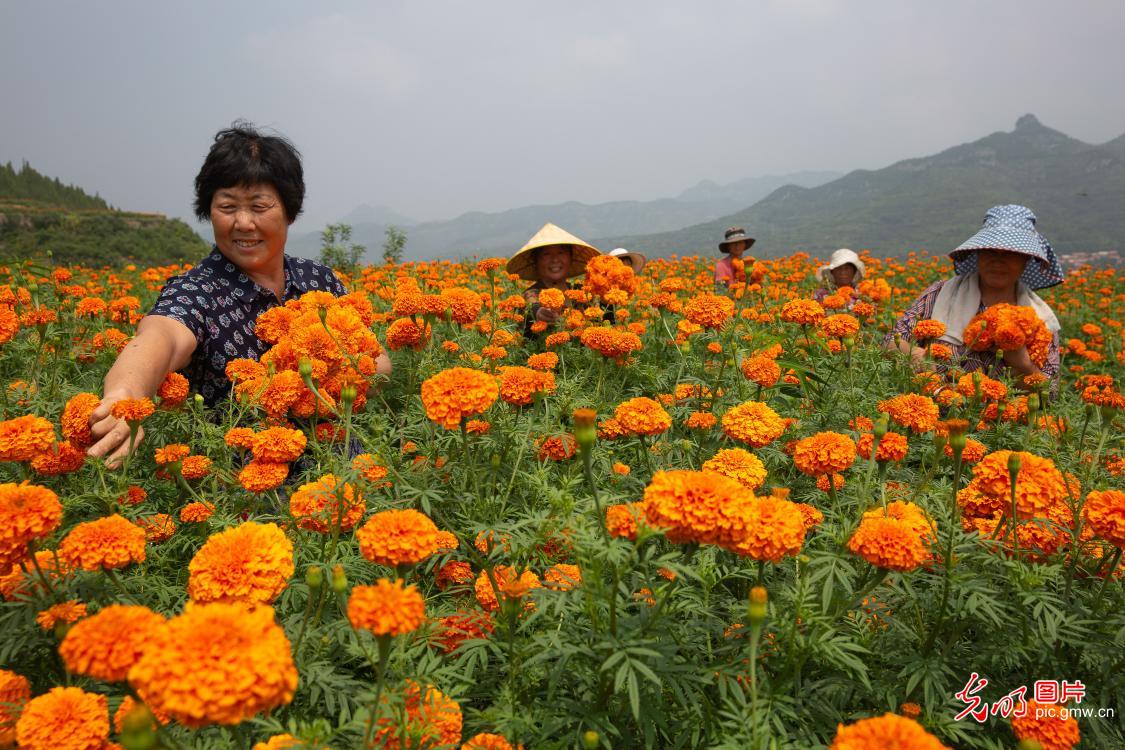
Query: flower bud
305,368
138,729
1014,463
494,460
590,740
314,577
1029,744
339,579
322,313
347,395
882,424
1032,403
940,441
759,600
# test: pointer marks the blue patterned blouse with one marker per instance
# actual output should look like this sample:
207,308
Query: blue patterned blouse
220,304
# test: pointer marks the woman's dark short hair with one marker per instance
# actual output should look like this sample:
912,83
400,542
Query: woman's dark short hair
241,155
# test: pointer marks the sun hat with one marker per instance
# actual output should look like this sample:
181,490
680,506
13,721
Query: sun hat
733,235
842,257
638,258
523,262
1012,228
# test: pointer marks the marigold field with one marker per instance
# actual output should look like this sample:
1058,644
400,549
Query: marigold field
724,521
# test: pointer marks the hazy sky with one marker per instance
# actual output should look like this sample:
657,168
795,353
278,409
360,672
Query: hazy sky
436,108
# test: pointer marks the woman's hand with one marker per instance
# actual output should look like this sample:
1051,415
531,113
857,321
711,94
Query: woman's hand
1020,361
546,315
111,435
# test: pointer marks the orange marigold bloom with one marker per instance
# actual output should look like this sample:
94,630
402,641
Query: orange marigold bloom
432,720
23,438
557,447
520,385
642,416
195,467
562,577
753,423
771,529
456,394
133,409
158,527
65,718
709,310
278,445
69,611
322,505
105,646
485,741
556,339
196,512
838,482
239,437
543,361
489,264
1040,488
802,311
761,370
464,304
552,299
888,543
928,330
1009,327
453,630
398,537
811,515
251,563
61,458
262,476
886,731
696,506
371,470
75,418
1104,512
216,664
9,323
919,413
740,465
839,326
824,453
171,454
15,691
1054,730
511,586
131,712
110,542
977,384
404,333
173,390
27,512
386,608
892,447
621,520
22,580
456,573
909,513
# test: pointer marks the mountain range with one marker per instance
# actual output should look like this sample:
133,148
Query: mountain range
933,203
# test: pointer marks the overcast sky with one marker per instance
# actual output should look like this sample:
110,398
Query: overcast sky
439,108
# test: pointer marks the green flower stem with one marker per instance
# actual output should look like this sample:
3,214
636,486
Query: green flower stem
1116,560
383,642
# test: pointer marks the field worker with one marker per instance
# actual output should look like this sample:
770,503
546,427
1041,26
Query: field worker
251,187
1006,261
732,268
636,261
844,268
551,258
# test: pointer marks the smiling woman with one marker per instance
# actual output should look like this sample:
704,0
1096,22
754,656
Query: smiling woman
251,187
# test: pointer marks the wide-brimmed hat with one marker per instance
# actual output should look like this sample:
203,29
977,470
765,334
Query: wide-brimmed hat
733,235
1012,228
523,262
638,258
842,257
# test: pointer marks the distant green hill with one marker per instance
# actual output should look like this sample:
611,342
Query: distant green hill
1077,190
40,214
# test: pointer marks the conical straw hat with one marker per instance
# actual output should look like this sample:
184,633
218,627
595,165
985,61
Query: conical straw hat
523,262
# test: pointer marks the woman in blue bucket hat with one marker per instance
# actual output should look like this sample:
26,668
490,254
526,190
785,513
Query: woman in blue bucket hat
1006,261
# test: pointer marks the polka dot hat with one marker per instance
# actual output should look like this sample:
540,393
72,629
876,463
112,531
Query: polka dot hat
1012,228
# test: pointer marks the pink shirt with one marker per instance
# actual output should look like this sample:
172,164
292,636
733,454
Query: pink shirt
724,270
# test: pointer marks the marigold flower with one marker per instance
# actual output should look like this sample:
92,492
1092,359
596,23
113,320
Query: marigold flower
453,630
753,423
562,577
9,323
810,515
64,718
771,529
1009,327
1055,729
740,465
520,385
557,447
552,299
15,691
701,420
173,391
696,506
621,520
69,611
278,445
455,573
456,394
321,505
397,537
158,527
642,416
888,543
405,333
75,418
886,731
23,438
512,586
892,447
1040,488
761,370
105,646
216,664
250,563
919,413
27,512
133,410
824,453
543,361
928,330
709,310
432,720
839,326
485,741
171,454
110,542
196,512
1104,512
386,608
802,311
262,476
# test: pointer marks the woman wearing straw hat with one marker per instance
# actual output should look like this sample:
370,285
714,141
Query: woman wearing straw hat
1006,261
550,259
732,268
844,268
636,261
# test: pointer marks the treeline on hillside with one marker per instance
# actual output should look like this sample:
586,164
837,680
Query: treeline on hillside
97,239
28,186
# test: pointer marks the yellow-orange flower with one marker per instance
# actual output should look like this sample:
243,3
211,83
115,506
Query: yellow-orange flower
1055,729
520,385
216,664
27,512
110,542
928,330
892,447
740,465
68,612
824,453
15,691
398,537
170,454
562,577
173,391
278,445
753,423
889,543
709,310
511,586
802,311
105,646
484,741
1040,488
64,718
456,394
839,325
696,506
262,476
133,409
196,512
386,608
76,418
761,370
23,438
918,413
771,528
432,720
322,505
642,416
886,731
621,520
1104,511
250,563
